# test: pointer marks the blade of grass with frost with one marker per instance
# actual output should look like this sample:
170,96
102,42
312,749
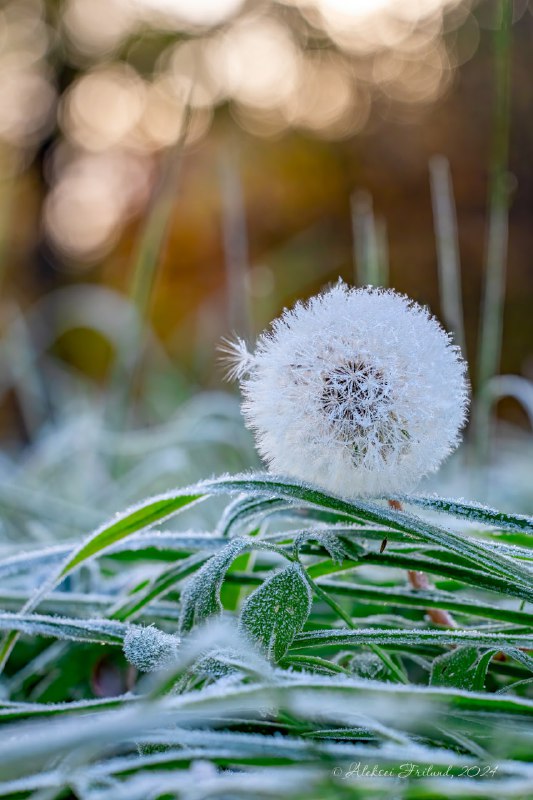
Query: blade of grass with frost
406,637
163,506
16,712
159,546
138,518
246,509
473,550
374,697
471,512
445,224
365,242
77,604
235,248
222,747
159,508
97,631
497,238
421,599
147,258
163,583
392,668
398,560
472,577
285,488
23,368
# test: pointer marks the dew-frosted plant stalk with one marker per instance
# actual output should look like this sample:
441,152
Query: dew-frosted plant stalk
359,391
419,580
447,241
497,236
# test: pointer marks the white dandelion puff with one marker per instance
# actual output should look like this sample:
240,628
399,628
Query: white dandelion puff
360,391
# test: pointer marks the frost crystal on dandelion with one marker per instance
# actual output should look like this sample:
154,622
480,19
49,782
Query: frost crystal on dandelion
359,391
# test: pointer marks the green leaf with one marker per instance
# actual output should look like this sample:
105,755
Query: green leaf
140,517
79,630
518,655
132,605
473,512
277,611
420,598
473,550
330,541
407,637
464,668
247,509
201,596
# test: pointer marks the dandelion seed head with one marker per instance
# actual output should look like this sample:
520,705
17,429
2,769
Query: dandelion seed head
360,391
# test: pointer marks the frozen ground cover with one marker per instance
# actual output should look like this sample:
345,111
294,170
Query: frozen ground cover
277,653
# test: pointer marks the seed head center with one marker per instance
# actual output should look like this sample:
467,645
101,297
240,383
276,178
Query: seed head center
356,399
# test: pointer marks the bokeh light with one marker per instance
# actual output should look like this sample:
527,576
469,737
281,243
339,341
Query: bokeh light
185,13
325,67
103,107
27,94
92,196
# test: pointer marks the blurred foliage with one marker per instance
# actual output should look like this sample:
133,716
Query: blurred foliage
298,104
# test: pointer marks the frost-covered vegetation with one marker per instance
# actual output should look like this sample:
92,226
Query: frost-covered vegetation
251,635
177,623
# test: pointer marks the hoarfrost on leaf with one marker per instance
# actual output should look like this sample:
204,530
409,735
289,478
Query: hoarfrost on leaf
277,611
150,649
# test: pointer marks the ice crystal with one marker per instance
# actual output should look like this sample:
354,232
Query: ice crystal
359,390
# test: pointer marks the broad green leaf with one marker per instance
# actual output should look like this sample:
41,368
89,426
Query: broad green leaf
464,668
201,595
277,611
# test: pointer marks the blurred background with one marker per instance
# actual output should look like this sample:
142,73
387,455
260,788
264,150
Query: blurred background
173,171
